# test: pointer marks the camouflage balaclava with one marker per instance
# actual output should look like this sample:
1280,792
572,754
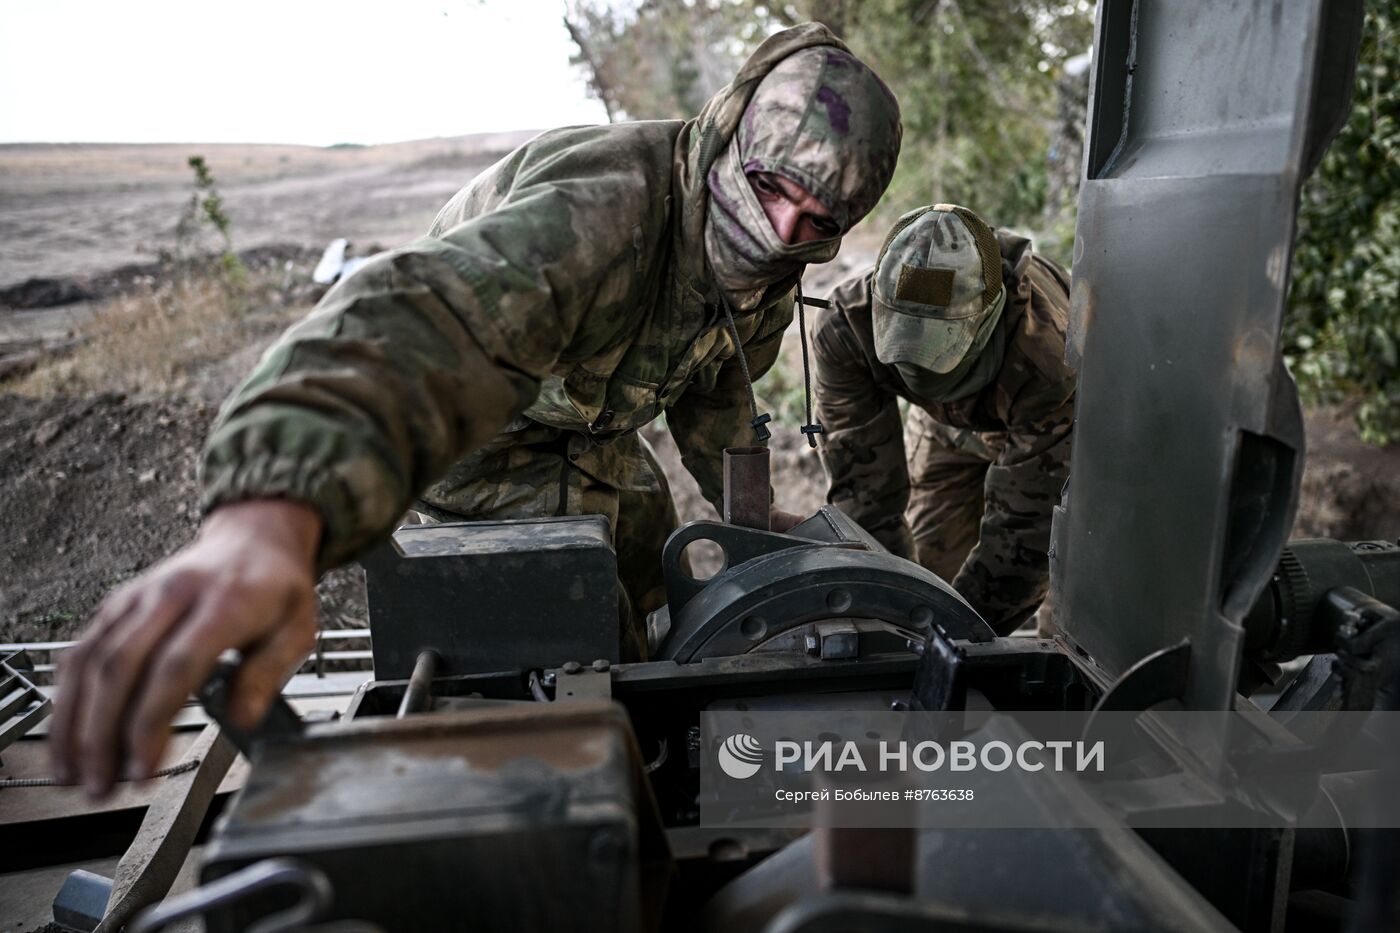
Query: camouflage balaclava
937,302
819,118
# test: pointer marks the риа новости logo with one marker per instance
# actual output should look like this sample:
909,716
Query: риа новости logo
740,756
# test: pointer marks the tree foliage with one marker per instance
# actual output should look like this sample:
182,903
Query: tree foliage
1344,307
981,85
991,119
993,95
658,59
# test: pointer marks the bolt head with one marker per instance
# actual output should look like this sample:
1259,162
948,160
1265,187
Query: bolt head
601,665
571,667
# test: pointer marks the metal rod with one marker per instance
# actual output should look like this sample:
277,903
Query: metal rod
418,697
338,634
747,492
537,689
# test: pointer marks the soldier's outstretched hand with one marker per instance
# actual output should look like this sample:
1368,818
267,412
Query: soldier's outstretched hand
247,582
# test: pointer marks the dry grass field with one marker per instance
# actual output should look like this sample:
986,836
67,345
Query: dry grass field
80,209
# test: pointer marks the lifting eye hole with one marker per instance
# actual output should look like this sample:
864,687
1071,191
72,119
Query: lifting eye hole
702,558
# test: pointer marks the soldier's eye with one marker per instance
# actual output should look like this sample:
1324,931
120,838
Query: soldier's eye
825,226
763,185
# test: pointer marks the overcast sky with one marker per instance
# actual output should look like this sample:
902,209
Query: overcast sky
290,71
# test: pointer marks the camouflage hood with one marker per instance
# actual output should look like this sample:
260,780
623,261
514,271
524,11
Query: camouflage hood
802,107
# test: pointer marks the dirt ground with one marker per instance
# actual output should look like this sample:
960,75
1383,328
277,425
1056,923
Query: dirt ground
110,373
77,209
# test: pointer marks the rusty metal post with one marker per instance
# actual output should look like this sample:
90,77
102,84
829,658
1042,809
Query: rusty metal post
747,493
870,858
876,859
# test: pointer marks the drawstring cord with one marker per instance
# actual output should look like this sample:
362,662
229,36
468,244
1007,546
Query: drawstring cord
813,427
759,422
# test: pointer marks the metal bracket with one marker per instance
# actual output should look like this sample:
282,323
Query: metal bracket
1156,678
940,680
22,705
573,681
1159,677
313,892
738,544
280,719
770,595
829,527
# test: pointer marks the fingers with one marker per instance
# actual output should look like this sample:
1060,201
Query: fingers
155,641
275,635
177,668
266,666
115,665
72,665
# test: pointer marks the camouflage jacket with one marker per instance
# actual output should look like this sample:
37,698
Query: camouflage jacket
564,288
1031,401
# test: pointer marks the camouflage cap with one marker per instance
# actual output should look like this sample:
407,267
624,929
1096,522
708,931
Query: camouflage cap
823,119
937,288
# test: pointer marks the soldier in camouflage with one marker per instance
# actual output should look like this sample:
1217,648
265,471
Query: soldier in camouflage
967,325
500,367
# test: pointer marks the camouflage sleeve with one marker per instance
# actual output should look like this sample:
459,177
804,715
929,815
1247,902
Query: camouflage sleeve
713,415
1006,575
863,437
421,356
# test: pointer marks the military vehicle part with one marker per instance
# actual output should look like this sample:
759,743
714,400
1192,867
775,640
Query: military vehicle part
280,720
82,901
1159,677
538,797
940,681
418,697
1186,219
492,595
153,861
278,877
1286,620
22,705
774,585
748,491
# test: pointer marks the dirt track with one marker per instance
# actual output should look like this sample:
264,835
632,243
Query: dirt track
72,210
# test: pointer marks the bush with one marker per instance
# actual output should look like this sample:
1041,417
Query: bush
204,212
1344,308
